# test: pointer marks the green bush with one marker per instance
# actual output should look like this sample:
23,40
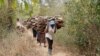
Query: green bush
84,24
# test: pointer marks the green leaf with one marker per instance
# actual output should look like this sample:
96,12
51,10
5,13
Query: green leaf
26,6
14,4
35,1
1,2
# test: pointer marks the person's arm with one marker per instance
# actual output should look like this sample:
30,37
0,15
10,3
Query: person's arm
46,28
55,28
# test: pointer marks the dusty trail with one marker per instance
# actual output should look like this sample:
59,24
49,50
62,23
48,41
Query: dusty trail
42,51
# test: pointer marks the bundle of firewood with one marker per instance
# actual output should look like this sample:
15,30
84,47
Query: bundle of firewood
39,23
30,23
59,23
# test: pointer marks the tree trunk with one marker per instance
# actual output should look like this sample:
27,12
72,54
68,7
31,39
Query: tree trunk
10,14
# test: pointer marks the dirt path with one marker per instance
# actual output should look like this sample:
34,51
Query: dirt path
42,51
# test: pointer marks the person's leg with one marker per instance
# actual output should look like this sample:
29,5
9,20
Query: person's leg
45,42
50,47
34,32
50,43
37,35
38,39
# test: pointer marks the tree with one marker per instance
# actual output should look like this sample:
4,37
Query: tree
83,25
8,9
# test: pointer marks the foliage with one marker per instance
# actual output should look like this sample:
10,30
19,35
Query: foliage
83,24
82,20
9,11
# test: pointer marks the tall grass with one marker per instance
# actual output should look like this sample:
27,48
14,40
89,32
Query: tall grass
17,45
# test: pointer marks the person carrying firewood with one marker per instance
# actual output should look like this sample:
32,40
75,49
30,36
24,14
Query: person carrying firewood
49,33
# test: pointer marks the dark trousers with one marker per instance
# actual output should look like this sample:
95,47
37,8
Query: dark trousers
34,32
50,43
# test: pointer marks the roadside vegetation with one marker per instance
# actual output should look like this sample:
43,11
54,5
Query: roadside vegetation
81,31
